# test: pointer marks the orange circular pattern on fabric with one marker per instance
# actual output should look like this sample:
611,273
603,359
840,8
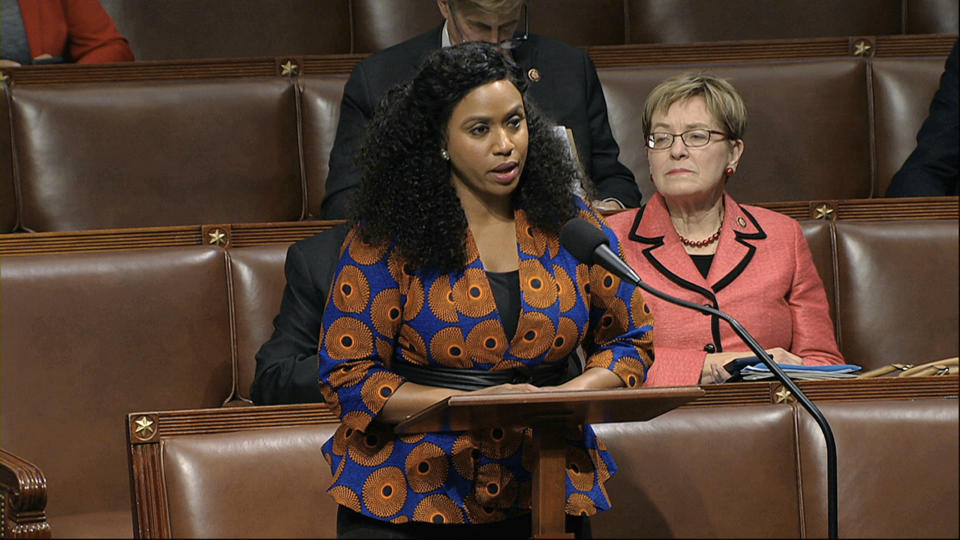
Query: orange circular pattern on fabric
464,455
412,347
427,467
416,296
565,288
345,375
535,332
364,253
639,310
412,438
604,283
450,349
371,449
400,519
579,504
601,359
583,282
589,216
532,241
630,370
386,311
349,339
346,497
385,351
385,491
495,486
472,294
339,471
487,342
500,442
539,289
351,291
438,508
395,265
440,300
341,438
603,472
378,388
613,322
566,339
580,469
479,513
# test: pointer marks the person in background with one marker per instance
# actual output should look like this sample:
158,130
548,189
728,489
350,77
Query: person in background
563,82
933,168
49,31
465,291
693,241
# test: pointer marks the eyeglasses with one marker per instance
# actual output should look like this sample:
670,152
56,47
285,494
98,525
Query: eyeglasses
506,44
694,138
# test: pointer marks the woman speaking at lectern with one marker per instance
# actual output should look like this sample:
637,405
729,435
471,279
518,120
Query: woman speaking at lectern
452,280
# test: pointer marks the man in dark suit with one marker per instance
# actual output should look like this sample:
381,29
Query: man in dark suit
932,168
563,83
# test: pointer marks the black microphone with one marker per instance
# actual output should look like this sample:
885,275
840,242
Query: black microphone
591,246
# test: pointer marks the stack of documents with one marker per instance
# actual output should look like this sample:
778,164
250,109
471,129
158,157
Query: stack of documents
759,372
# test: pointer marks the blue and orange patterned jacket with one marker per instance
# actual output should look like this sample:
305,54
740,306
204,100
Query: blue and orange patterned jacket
378,311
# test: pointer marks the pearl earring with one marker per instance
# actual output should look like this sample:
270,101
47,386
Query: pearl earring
444,154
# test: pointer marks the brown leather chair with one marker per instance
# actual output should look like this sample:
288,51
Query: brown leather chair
102,156
8,198
897,291
807,129
232,473
819,235
930,17
88,338
678,21
897,469
725,472
257,282
320,98
578,23
378,25
168,29
902,92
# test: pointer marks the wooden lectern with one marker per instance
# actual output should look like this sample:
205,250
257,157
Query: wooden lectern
548,412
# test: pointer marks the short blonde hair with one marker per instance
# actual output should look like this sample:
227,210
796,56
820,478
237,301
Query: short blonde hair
498,7
723,100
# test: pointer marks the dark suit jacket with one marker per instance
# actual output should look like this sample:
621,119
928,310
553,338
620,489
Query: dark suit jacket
568,92
932,168
287,365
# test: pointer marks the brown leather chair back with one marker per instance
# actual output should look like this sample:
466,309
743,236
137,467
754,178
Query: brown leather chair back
902,92
88,338
8,198
677,470
378,24
257,279
930,16
807,128
578,23
678,21
273,484
320,98
102,156
168,29
897,291
819,235
897,466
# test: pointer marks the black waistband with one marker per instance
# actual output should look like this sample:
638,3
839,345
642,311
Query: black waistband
475,379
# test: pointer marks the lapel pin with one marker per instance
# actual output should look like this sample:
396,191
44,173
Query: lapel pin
741,222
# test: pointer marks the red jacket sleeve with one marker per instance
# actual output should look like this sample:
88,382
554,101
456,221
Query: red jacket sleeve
80,31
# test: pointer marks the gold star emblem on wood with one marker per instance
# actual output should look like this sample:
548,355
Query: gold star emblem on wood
289,69
824,212
217,237
862,48
784,396
145,428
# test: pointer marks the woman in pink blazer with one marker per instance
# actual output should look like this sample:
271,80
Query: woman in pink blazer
693,241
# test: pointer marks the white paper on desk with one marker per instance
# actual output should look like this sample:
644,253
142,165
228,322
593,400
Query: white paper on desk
806,373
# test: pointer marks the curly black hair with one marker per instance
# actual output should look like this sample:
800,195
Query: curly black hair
405,194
